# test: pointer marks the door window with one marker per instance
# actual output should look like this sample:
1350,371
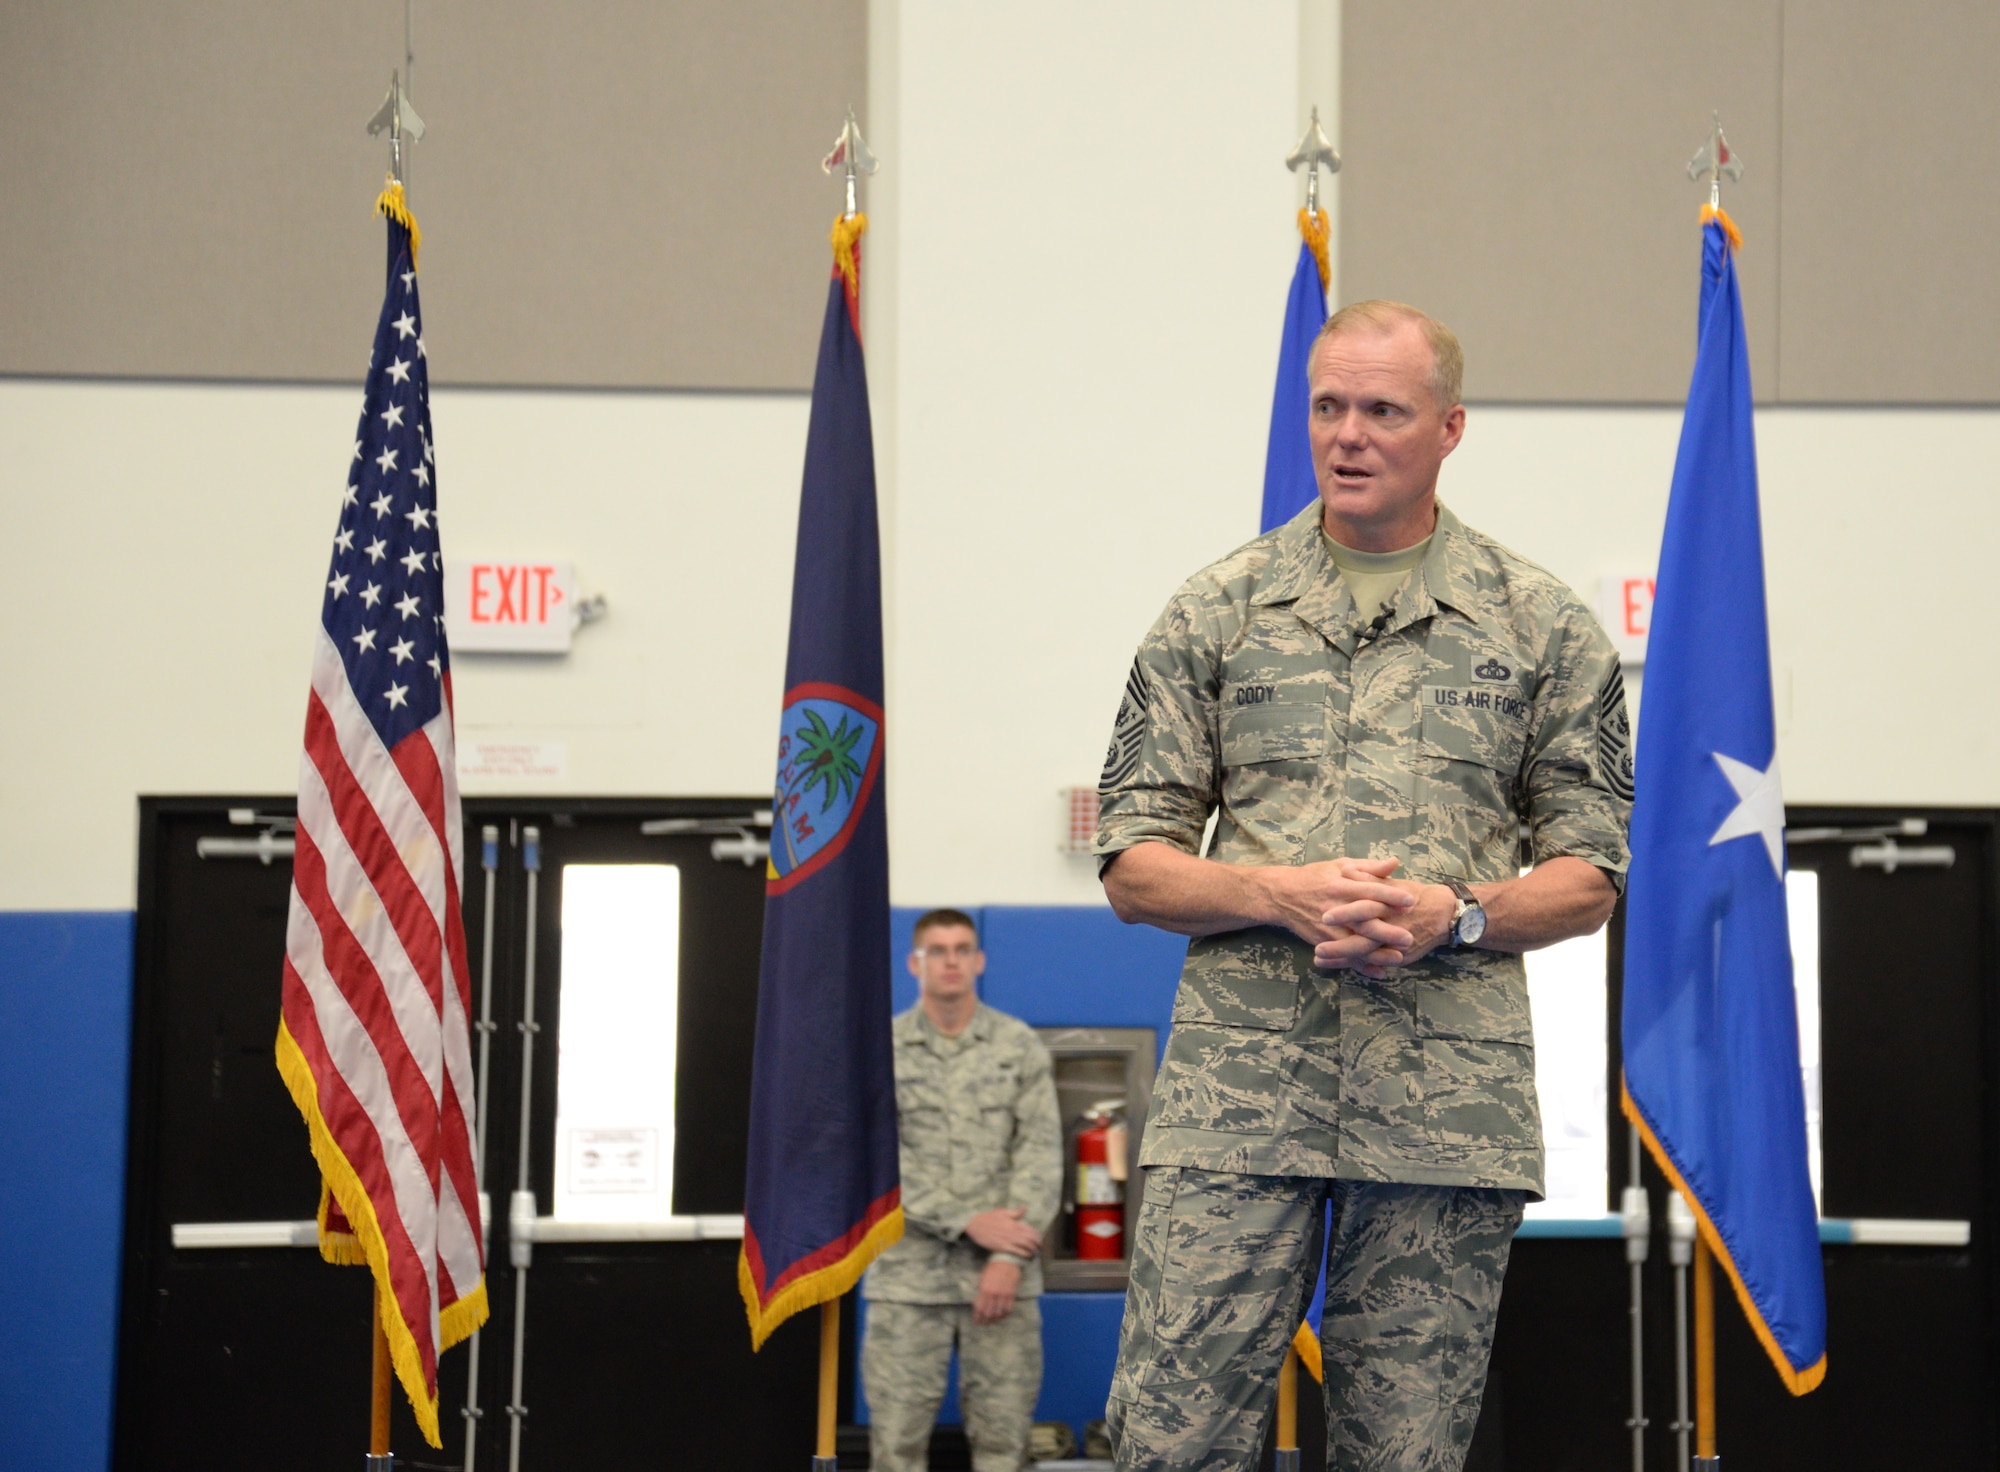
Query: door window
621,944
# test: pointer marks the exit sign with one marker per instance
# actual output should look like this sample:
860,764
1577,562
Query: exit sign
1625,607
524,606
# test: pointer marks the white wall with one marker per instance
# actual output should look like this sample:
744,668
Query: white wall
1082,239
160,575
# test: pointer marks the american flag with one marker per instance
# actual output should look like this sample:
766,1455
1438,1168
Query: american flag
374,1042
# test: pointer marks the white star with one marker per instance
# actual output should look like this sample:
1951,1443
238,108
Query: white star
413,562
437,559
419,518
407,604
382,505
366,639
422,474
372,595
387,459
339,584
392,417
406,326
420,349
408,277
376,550
400,370
437,666
1759,810
401,649
347,496
357,449
398,695
344,539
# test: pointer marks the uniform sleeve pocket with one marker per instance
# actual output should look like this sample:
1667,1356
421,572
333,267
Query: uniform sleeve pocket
1276,731
1478,1011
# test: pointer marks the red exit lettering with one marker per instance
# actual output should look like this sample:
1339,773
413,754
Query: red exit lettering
513,592
1635,606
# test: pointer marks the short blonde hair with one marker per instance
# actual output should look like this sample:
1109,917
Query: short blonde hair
1447,357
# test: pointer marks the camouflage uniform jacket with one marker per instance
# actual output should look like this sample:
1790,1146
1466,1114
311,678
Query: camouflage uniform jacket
977,1116
1489,699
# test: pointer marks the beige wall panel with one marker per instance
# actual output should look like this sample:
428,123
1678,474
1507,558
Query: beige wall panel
613,193
1892,202
1519,170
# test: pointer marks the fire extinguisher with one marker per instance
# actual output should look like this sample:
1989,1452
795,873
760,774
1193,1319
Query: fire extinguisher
1101,1169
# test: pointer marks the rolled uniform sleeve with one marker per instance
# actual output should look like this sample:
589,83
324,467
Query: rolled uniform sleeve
1577,776
1034,1180
1160,779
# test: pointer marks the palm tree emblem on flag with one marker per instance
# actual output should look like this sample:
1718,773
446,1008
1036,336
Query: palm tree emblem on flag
829,750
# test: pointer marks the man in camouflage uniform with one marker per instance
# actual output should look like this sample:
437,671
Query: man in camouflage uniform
982,1178
1371,702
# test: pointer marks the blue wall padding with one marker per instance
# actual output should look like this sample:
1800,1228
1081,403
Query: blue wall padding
65,1043
1065,966
1079,1349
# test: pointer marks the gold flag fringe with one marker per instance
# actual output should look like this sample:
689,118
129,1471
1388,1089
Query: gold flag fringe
340,1181
1721,217
828,1283
392,203
847,233
1316,230
1798,1382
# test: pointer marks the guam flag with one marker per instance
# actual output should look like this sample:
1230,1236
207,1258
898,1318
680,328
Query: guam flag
1710,1024
822,1196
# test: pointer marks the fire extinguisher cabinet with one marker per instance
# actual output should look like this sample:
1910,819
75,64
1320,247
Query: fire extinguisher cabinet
1104,1083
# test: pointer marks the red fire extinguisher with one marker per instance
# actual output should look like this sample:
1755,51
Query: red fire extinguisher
1101,1169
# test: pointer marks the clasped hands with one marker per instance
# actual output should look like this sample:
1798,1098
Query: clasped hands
1002,1230
1354,915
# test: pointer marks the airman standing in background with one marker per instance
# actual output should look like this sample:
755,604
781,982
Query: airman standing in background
982,1178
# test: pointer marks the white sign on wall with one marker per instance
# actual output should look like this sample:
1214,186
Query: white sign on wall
503,760
1625,607
508,605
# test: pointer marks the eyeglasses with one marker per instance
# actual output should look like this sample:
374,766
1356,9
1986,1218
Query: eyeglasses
956,953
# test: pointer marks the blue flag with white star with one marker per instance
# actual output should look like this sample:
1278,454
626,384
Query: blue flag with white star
1711,1033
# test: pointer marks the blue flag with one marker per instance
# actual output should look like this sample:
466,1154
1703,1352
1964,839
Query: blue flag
1289,483
822,1195
1289,487
1710,1023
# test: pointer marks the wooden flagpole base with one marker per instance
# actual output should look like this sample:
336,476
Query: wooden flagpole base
379,1459
1705,1459
1285,1451
824,1458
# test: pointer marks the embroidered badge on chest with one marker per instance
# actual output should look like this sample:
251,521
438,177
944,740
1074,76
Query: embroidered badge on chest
1494,671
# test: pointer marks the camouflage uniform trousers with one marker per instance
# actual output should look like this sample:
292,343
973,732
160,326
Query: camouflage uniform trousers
905,1357
1222,1272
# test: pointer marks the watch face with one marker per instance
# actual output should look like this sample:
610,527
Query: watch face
1471,926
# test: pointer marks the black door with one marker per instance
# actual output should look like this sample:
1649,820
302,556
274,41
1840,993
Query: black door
636,1353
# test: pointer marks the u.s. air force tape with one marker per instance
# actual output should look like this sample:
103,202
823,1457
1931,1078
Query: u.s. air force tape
1121,758
1614,735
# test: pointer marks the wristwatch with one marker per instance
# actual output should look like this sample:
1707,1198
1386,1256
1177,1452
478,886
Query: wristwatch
1468,924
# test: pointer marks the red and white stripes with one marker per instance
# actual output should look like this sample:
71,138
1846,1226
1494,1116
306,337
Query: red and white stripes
377,1002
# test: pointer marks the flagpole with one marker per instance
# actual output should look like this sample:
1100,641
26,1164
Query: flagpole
824,1457
1705,1459
379,1458
1285,1455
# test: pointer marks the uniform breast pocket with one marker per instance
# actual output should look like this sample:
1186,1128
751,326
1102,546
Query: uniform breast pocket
1274,729
1272,758
1472,747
